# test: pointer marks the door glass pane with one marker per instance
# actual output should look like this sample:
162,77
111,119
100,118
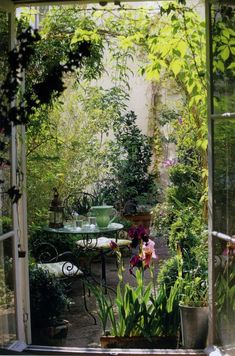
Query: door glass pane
7,295
5,174
5,179
225,294
223,49
224,176
4,43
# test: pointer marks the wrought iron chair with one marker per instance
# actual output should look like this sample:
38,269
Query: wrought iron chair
63,266
79,202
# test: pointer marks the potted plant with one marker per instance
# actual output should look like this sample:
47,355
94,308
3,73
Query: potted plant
190,291
47,302
131,319
129,185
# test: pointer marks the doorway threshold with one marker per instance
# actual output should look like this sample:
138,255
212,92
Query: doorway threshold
50,350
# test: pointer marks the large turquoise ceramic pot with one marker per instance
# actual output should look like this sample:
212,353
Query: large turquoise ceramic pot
103,214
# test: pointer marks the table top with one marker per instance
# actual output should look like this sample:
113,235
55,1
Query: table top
87,230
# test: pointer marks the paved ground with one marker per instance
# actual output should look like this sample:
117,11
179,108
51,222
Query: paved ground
82,331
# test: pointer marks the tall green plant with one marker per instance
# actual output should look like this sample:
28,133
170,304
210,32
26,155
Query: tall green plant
132,313
129,178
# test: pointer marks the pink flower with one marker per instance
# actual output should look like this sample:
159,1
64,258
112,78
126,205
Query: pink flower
180,121
229,250
168,163
148,252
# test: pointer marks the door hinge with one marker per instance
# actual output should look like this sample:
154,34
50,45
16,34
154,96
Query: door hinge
21,254
25,317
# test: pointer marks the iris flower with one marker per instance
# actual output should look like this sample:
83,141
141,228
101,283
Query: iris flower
148,252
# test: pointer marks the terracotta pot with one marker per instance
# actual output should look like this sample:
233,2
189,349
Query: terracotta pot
139,342
139,219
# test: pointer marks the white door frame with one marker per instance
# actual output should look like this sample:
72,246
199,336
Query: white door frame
19,213
22,206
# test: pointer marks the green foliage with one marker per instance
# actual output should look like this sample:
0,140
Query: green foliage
181,174
66,146
183,277
166,278
126,223
58,30
4,44
186,230
130,154
7,299
177,55
132,313
190,287
67,151
225,291
224,54
195,291
163,216
61,242
47,298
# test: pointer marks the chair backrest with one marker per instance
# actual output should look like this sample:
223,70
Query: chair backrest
79,202
63,265
45,252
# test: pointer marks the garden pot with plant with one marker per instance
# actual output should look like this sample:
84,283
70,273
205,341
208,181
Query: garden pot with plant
132,318
47,302
131,321
194,326
190,291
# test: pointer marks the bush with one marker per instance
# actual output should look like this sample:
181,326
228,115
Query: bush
186,231
185,184
163,216
47,297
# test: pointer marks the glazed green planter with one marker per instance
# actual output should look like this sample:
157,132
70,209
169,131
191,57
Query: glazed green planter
103,214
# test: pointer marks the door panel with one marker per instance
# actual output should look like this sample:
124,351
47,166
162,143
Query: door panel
223,49
224,175
221,58
12,329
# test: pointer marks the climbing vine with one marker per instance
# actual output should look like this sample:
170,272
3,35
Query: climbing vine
17,107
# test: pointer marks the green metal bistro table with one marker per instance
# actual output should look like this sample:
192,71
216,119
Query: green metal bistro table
95,239
112,229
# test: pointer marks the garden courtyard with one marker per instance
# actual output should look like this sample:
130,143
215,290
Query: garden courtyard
115,109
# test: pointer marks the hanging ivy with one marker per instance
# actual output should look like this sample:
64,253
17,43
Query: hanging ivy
17,107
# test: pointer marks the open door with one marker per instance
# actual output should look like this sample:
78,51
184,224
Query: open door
14,316
221,54
13,299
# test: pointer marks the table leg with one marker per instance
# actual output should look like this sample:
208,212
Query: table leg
103,270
